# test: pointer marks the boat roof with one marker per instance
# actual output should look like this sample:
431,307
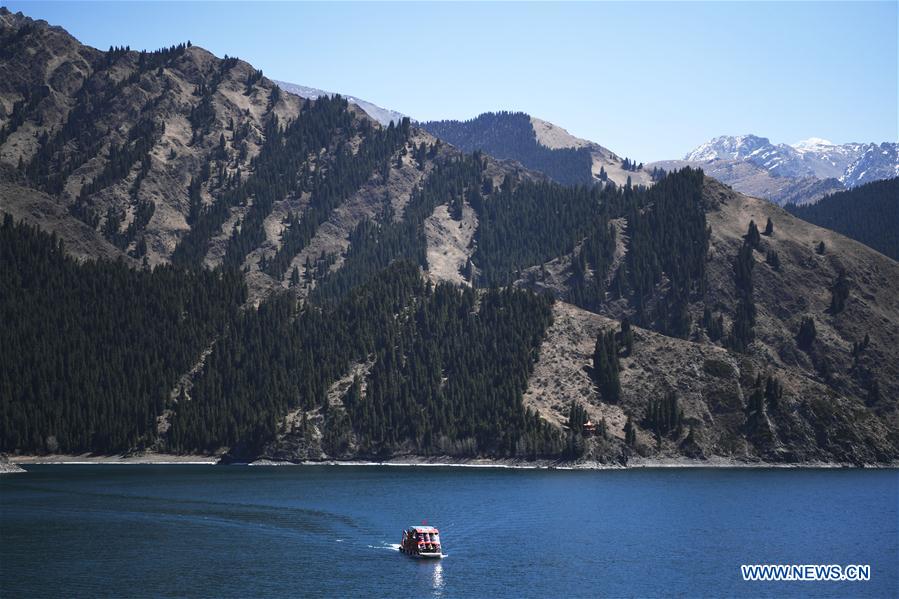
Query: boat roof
423,529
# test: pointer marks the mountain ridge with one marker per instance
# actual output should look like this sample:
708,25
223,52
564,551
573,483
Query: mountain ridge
801,173
852,164
385,116
539,145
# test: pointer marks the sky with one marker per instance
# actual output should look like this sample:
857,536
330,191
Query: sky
647,80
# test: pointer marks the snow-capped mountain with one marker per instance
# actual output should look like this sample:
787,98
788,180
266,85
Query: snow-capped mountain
851,163
729,147
382,115
873,164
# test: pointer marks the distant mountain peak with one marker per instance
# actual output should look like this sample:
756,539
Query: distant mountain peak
813,144
728,147
851,163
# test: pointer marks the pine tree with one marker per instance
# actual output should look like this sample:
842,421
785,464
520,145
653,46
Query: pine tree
626,337
839,293
806,335
755,406
467,270
606,367
665,416
769,228
714,327
821,248
630,433
874,395
773,393
753,239
577,417
455,208
858,347
742,333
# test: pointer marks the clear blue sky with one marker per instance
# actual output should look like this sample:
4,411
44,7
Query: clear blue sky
648,80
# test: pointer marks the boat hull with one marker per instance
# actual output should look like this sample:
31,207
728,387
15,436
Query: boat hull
427,555
422,555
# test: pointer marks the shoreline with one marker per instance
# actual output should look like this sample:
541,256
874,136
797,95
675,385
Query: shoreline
414,461
88,459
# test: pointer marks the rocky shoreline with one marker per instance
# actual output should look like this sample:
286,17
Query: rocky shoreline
14,462
7,467
145,458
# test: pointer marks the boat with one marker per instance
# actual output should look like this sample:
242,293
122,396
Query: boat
421,541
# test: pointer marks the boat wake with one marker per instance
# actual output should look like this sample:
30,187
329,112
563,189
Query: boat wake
387,546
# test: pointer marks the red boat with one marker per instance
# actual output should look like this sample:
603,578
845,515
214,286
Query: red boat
421,541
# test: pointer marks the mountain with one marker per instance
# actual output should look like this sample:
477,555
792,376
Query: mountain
196,260
539,145
758,182
153,155
867,213
799,174
383,115
876,162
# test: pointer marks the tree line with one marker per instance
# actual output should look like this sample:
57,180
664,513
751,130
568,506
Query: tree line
867,213
449,366
74,379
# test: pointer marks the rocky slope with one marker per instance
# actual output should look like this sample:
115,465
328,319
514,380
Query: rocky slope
801,173
88,101
383,115
7,467
90,139
827,412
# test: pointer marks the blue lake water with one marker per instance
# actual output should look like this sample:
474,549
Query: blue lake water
231,531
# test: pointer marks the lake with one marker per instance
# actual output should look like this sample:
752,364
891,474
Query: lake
239,531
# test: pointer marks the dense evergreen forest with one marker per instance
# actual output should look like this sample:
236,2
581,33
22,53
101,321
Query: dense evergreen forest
868,214
90,351
530,223
448,371
449,364
668,237
510,135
